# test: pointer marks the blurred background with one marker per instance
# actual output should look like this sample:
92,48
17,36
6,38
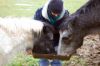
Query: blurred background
28,7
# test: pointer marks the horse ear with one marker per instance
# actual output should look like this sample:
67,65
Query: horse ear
35,34
47,30
73,21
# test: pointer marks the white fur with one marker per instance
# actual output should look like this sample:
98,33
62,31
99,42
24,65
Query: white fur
16,35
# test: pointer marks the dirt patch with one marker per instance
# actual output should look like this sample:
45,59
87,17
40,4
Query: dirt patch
88,54
91,50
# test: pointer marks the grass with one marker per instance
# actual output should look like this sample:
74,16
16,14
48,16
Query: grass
28,7
22,60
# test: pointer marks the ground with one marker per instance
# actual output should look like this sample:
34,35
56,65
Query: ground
91,50
88,54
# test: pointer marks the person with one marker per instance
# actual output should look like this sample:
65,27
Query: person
53,13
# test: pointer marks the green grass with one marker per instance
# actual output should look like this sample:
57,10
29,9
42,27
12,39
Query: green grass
22,60
28,7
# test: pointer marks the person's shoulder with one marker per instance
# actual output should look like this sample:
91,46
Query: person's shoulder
66,15
39,10
38,14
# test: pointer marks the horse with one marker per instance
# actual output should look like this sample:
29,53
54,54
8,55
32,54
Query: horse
18,34
85,21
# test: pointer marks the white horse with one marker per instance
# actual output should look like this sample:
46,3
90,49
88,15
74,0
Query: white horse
16,34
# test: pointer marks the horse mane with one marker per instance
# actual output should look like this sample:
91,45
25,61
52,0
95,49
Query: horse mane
15,24
87,7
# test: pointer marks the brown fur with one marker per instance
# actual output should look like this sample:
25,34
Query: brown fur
84,21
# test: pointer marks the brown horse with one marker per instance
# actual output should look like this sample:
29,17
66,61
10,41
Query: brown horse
83,22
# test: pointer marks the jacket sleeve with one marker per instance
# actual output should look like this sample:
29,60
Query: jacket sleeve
38,15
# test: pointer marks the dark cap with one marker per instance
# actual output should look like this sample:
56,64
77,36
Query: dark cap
55,6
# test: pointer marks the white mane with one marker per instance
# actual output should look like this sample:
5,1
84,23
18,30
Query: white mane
21,24
16,35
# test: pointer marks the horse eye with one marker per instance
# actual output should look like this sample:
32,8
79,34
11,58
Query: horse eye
65,38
